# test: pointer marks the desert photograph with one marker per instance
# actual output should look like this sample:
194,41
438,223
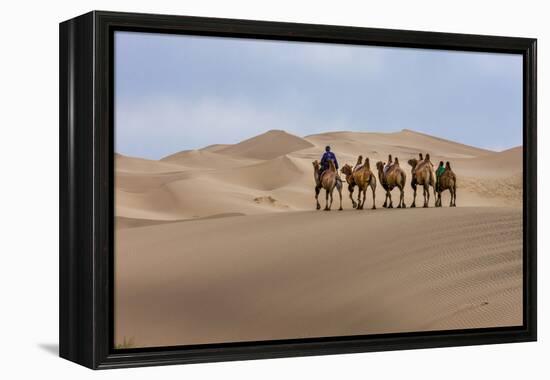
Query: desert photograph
269,190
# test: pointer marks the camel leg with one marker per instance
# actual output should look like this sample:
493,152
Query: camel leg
373,188
317,191
402,196
389,195
399,204
414,196
364,198
385,205
326,200
331,198
358,197
340,194
350,188
426,195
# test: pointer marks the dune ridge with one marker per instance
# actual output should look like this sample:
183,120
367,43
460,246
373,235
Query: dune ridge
269,145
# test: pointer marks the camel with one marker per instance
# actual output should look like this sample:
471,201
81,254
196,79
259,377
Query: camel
447,181
362,177
423,175
328,181
394,177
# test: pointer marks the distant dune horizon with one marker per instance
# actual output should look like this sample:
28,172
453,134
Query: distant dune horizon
219,145
277,164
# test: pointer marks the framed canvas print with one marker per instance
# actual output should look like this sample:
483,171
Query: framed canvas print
237,189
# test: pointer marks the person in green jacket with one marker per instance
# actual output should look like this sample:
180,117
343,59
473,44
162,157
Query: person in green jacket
440,170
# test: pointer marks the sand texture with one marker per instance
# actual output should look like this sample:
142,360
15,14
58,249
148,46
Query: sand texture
223,244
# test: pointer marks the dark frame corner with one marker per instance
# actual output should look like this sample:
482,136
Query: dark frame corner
86,177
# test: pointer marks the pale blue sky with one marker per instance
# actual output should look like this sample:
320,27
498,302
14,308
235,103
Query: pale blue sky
176,92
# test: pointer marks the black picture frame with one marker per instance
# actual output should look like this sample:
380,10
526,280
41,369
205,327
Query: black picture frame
86,188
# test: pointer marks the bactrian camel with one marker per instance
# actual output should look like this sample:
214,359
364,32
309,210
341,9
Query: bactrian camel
393,177
447,181
362,177
328,181
422,175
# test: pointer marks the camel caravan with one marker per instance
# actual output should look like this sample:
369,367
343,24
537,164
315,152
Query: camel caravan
390,176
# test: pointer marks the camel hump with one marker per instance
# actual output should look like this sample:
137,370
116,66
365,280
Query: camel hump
396,161
367,163
448,166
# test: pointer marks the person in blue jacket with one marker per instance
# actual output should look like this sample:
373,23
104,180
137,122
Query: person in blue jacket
327,156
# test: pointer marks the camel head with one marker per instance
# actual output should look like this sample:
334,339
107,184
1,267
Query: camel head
316,171
346,169
359,160
448,166
413,162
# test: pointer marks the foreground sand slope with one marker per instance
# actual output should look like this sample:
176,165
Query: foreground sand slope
313,273
272,172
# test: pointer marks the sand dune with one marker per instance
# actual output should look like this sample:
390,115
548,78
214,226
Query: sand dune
500,164
227,178
267,175
403,142
126,164
229,230
206,159
269,277
215,147
267,145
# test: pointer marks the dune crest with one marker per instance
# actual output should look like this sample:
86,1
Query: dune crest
206,159
269,145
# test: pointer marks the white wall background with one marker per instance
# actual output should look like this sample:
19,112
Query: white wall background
29,187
